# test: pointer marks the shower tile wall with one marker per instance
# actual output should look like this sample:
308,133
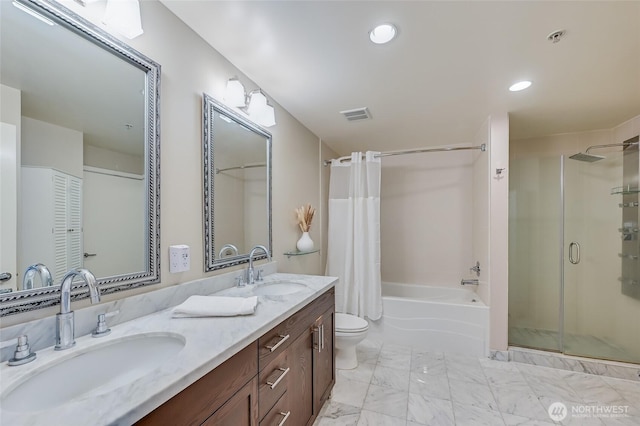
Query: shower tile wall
426,217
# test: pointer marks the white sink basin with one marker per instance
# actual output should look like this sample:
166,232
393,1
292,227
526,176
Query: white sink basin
107,367
278,288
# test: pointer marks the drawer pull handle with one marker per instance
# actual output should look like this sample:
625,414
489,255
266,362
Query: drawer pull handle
286,416
283,338
318,333
272,385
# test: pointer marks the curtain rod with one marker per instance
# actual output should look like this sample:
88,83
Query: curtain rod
482,148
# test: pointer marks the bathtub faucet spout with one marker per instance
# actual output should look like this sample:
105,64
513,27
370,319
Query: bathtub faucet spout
469,282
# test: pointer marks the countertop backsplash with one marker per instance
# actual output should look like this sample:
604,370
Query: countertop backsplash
41,332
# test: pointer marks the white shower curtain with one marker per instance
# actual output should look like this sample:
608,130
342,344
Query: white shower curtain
353,252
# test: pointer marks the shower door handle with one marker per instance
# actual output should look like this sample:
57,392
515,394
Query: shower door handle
574,259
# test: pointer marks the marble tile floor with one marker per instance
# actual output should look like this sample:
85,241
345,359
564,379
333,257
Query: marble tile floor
397,385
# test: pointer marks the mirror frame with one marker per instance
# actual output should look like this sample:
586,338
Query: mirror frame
28,300
210,106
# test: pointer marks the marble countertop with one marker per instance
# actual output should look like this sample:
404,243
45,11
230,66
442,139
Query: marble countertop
209,342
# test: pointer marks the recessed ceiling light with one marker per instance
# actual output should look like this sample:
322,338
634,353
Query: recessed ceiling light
383,33
521,85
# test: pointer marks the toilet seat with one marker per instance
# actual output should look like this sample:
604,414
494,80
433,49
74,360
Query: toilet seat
347,323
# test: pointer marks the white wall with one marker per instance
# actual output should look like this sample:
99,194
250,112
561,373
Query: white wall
480,211
254,191
426,218
118,243
190,67
10,113
499,231
112,160
49,145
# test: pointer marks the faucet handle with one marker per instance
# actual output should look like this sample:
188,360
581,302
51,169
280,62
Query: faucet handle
23,354
240,281
101,328
259,277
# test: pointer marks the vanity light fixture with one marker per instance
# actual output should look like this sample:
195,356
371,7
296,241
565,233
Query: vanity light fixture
255,104
383,33
234,95
33,13
260,109
123,16
521,85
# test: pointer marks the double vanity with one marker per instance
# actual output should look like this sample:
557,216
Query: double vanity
273,367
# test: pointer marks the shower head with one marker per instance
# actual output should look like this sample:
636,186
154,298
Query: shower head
589,158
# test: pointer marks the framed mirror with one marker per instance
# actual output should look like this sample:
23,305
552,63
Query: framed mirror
237,186
82,121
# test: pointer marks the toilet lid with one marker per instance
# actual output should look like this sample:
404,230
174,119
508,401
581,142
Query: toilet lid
347,323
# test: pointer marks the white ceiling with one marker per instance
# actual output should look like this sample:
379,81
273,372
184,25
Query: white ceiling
446,72
68,81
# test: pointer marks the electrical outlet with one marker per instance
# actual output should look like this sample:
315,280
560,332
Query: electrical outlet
179,258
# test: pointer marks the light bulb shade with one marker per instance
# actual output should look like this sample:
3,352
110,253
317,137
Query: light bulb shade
257,101
259,110
269,116
234,94
123,16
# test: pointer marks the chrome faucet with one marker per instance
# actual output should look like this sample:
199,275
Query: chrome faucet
65,327
250,279
225,248
40,269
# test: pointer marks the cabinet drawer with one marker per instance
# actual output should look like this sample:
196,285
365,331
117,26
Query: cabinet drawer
276,340
279,414
273,382
195,404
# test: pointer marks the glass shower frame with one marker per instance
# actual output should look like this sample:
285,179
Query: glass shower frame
589,305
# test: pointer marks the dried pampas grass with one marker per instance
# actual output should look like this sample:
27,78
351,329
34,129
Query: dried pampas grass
304,215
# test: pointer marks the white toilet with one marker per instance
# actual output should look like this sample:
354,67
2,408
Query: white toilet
350,330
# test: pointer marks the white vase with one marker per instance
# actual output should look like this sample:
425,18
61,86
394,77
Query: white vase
305,243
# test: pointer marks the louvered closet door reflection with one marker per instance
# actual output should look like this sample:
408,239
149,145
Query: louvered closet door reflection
74,223
67,223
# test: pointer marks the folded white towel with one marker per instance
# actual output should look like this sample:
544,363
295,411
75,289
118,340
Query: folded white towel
215,306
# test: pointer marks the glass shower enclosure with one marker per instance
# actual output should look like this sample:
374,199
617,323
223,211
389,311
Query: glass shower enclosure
574,268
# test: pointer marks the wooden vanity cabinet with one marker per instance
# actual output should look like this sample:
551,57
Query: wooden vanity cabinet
324,359
301,383
306,339
283,378
240,410
229,392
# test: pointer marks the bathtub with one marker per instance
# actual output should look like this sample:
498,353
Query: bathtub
438,319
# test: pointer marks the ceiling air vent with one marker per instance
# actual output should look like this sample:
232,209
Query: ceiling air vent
356,114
